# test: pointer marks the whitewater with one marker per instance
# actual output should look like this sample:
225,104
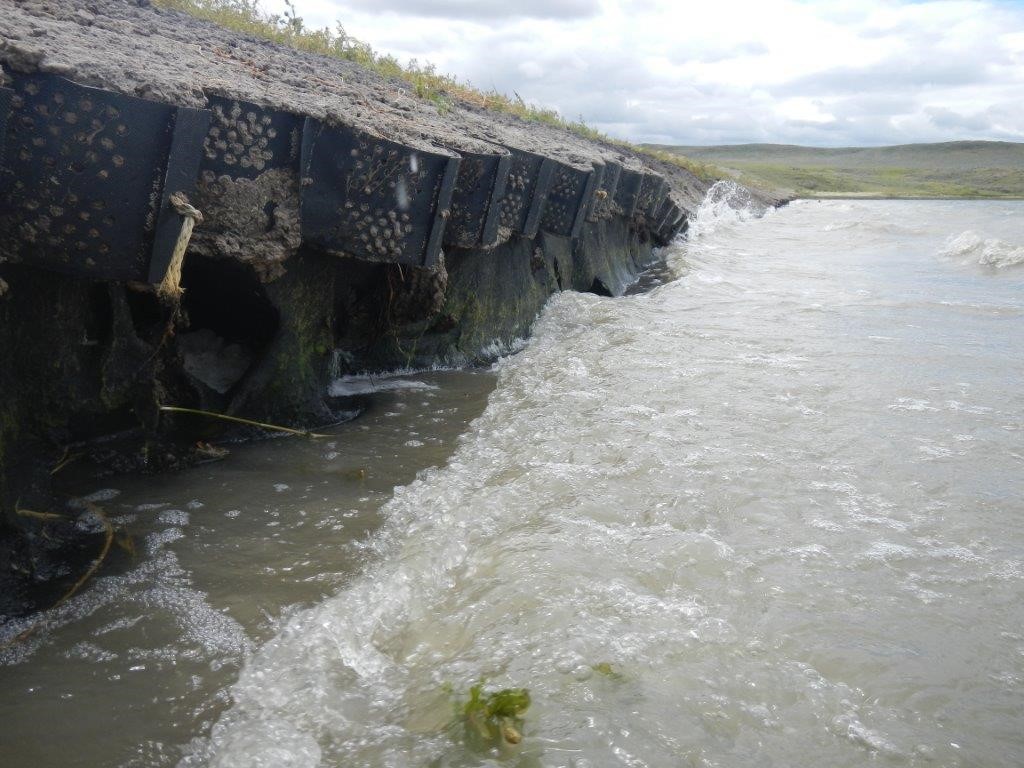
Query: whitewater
767,513
779,496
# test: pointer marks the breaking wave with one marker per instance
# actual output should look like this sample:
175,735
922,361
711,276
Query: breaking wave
661,524
971,248
724,204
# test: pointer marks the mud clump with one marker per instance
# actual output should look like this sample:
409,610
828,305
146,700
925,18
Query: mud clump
254,221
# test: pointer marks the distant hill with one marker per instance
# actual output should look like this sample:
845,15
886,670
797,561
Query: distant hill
950,169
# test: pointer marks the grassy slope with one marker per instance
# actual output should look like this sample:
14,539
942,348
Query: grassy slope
444,91
952,169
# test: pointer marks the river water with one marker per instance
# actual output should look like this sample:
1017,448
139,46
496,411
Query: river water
768,513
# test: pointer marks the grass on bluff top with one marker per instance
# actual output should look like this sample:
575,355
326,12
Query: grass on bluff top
443,91
959,169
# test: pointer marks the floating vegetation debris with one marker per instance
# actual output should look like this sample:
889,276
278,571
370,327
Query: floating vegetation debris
127,543
492,719
607,670
204,452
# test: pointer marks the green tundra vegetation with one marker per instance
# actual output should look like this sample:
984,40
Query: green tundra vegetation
444,91
492,719
957,169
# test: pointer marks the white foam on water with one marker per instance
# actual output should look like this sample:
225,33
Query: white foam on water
725,204
971,248
157,584
348,386
726,491
175,517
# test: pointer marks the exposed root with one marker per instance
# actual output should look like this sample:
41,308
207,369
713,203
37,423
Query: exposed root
100,558
66,459
239,420
108,539
39,515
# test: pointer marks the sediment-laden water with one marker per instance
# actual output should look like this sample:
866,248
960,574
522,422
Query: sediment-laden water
770,512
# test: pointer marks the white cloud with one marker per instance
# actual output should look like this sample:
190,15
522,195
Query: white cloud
481,9
531,70
803,110
826,72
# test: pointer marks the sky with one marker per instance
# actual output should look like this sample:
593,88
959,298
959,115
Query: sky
828,73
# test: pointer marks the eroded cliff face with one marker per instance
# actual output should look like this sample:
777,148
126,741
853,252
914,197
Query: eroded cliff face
346,226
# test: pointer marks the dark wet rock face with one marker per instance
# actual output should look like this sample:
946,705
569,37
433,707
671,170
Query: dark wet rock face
212,361
340,226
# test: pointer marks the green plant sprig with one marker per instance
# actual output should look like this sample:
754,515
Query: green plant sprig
490,719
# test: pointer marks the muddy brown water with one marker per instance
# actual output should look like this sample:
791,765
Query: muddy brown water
140,661
767,513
